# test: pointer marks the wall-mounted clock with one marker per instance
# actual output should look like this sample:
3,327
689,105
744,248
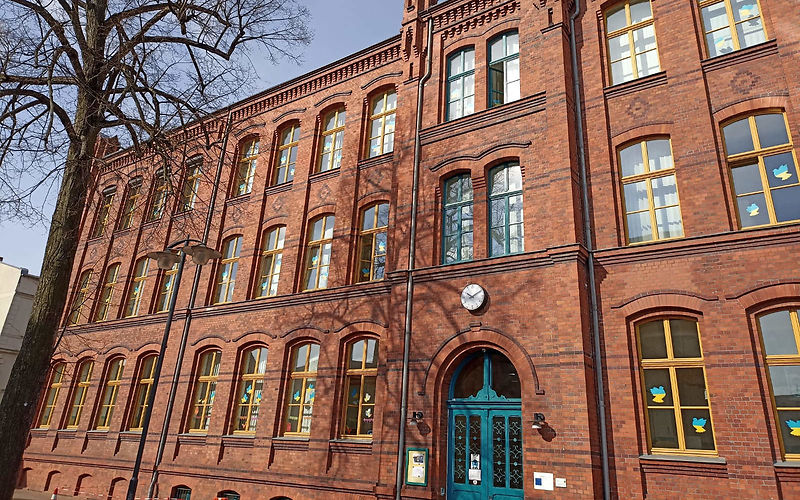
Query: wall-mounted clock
473,297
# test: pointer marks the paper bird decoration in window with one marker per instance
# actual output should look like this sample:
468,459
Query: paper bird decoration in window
368,412
314,260
699,425
310,395
258,399
367,397
245,397
752,210
795,426
354,392
296,396
658,394
746,11
782,172
381,247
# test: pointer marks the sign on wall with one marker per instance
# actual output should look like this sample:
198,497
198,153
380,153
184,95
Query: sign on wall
417,466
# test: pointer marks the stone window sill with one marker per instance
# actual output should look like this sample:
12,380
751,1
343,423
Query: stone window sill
685,458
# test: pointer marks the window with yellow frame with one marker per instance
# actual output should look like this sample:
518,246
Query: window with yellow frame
143,387
302,390
107,293
359,404
131,202
137,287
158,197
191,184
246,170
674,387
83,379
103,212
318,252
205,391
110,392
731,25
271,260
228,269
381,124
780,336
650,192
165,290
49,406
287,155
631,40
332,141
80,298
373,241
251,385
763,169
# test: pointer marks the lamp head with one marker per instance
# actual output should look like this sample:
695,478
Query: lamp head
201,253
164,258
538,421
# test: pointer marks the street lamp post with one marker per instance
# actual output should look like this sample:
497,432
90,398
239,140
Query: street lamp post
166,259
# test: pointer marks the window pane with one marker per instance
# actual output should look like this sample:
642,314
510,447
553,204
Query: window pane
663,432
469,59
720,42
787,203
781,170
505,380
685,341
313,358
631,160
669,222
647,63
786,385
470,379
665,192
776,330
659,155
737,137
616,19
514,178
789,422
691,387
658,388
753,210
640,11
715,16
619,47
771,130
622,71
750,33
496,49
512,43
744,9
697,429
639,227
747,179
652,340
644,39
498,213
636,197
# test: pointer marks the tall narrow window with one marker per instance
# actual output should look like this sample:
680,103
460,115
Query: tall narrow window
131,202
158,198
632,48
373,241
83,381
302,389
457,224
504,69
674,379
165,290
763,169
228,267
381,120
332,141
461,84
650,191
110,392
362,371
49,406
103,212
251,385
137,287
143,386
205,390
780,335
287,155
80,297
507,233
107,293
731,25
271,258
246,170
191,184
318,253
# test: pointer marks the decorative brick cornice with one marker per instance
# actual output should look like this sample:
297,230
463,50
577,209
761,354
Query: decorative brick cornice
470,15
482,154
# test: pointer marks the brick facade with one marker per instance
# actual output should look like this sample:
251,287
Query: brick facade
538,312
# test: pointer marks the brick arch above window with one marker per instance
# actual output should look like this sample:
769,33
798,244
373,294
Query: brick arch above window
634,308
749,106
764,295
642,132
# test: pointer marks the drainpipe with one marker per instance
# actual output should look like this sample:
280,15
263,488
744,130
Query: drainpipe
188,321
587,234
412,248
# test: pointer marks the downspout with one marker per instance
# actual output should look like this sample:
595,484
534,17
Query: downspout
412,248
587,234
188,321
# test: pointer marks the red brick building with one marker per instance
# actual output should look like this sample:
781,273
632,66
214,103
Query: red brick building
458,153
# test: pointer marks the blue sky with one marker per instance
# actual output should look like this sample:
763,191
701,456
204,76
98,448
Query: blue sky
341,27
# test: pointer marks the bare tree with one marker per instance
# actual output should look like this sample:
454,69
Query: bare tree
137,69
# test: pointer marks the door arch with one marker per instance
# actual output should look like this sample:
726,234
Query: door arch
485,450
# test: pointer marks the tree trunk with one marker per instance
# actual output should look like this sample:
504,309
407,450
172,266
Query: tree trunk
18,408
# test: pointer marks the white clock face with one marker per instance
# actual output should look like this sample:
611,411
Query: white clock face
472,297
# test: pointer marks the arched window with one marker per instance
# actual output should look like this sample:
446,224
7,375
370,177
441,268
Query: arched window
731,25
332,140
56,380
632,48
362,372
228,267
144,384
228,495
137,287
131,200
246,170
251,385
507,233
80,297
318,260
461,84
504,69
652,209
302,389
373,241
457,220
107,293
674,387
205,390
763,169
158,197
780,337
287,155
271,259
82,383
103,212
165,290
191,184
110,392
381,123
181,493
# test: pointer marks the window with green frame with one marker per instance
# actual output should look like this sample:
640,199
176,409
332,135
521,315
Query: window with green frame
731,25
674,388
457,227
504,69
506,231
461,83
780,336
